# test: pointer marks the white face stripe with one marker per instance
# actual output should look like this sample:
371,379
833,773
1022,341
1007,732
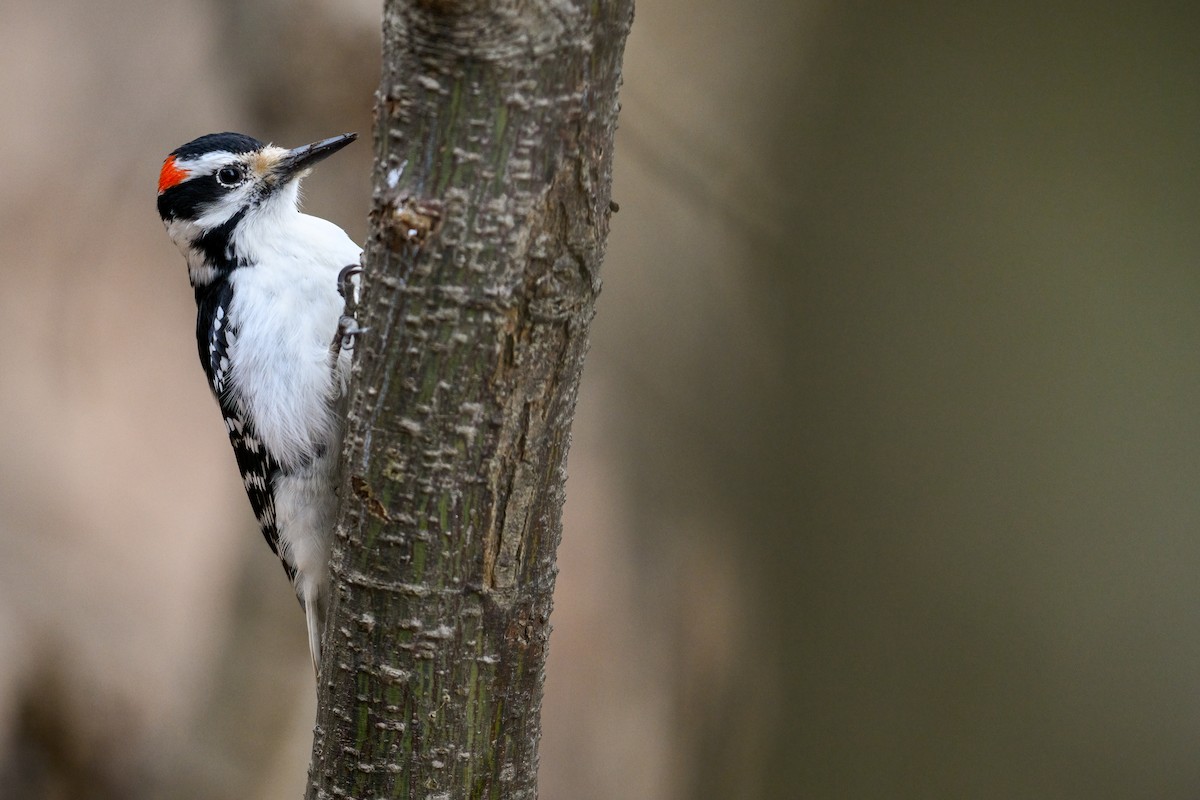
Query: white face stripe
208,163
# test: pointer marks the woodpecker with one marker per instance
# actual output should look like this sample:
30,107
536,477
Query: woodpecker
271,287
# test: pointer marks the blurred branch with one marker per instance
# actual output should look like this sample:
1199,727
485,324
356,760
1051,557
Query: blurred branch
493,177
53,751
700,173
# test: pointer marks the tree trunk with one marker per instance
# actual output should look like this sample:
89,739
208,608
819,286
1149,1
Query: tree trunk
495,122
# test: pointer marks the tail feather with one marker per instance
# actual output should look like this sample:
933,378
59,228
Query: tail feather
314,615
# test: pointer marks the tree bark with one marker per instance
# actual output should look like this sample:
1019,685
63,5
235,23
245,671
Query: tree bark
494,142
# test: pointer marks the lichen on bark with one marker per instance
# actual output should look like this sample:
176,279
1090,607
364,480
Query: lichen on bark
495,123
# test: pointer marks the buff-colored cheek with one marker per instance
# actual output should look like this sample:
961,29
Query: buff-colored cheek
265,160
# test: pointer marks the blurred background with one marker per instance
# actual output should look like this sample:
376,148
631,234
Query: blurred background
886,474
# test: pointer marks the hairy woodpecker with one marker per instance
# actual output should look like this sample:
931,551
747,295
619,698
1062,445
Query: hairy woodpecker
274,342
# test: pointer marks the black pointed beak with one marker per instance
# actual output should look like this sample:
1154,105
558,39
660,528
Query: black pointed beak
296,161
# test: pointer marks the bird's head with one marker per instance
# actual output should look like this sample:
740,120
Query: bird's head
207,186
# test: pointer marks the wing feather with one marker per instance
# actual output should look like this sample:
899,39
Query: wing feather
214,335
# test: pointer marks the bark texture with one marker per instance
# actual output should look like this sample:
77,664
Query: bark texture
495,122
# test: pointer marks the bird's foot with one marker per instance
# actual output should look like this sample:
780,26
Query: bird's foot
347,332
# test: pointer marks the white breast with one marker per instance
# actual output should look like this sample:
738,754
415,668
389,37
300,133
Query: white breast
285,308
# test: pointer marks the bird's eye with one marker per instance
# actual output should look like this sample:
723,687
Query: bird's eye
229,176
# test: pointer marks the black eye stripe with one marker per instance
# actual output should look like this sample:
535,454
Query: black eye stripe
190,199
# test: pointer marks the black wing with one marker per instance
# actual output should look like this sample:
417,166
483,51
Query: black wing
258,469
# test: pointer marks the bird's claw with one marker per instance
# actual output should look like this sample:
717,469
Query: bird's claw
348,283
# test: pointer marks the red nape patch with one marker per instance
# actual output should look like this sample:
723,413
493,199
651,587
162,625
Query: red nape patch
171,175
